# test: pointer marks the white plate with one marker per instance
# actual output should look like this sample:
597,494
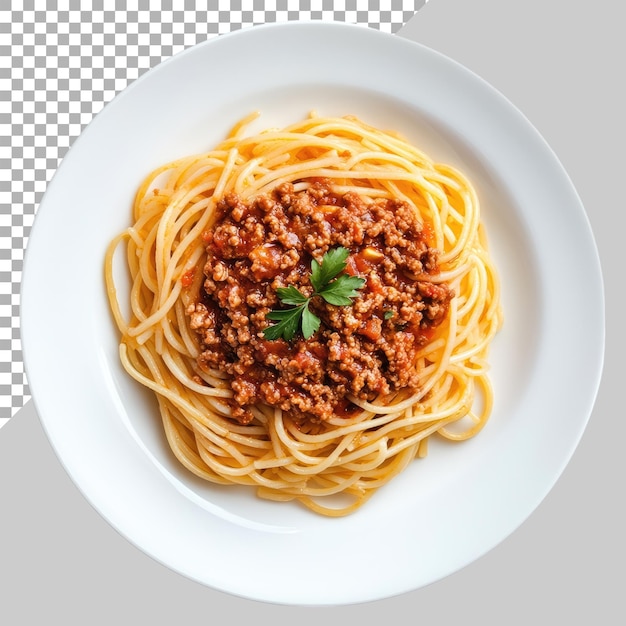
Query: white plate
443,512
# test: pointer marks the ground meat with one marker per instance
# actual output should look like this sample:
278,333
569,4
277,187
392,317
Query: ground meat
365,349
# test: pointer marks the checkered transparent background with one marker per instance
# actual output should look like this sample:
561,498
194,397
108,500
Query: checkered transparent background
61,65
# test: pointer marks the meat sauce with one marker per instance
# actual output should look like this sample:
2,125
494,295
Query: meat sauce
362,350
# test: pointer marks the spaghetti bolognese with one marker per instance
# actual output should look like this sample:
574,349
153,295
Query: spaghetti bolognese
310,305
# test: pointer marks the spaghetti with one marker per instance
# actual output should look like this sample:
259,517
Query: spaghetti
334,463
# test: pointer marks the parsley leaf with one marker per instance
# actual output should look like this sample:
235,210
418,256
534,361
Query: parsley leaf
328,282
288,325
341,290
310,323
333,263
290,295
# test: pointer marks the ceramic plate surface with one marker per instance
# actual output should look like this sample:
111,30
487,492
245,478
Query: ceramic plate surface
443,512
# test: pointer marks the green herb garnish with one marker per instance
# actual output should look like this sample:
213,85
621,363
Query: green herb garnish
328,282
